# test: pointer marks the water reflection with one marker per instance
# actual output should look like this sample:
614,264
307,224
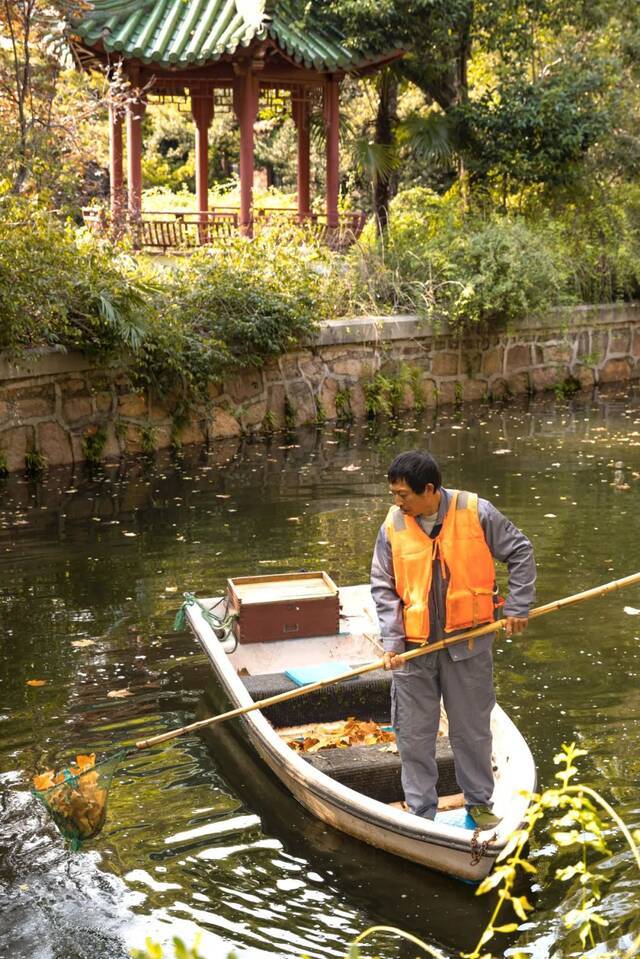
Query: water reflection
199,837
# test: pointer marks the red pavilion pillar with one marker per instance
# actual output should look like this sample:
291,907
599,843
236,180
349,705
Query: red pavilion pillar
202,112
332,119
135,113
245,101
300,111
116,173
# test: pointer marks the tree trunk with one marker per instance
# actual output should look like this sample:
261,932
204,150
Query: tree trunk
385,186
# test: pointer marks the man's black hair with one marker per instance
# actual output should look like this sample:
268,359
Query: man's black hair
416,468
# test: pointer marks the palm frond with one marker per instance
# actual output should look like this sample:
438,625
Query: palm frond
376,160
432,138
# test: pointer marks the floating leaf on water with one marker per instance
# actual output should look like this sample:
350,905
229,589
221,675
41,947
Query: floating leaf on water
501,452
36,682
130,534
550,516
631,611
350,468
119,693
81,643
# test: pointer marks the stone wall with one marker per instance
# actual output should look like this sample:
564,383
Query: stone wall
64,409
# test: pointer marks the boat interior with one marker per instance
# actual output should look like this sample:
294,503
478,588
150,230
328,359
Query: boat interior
369,763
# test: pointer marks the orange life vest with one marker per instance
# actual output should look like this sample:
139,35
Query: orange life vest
465,558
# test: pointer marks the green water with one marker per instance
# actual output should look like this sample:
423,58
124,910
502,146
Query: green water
199,838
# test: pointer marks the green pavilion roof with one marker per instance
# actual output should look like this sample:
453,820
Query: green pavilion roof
188,33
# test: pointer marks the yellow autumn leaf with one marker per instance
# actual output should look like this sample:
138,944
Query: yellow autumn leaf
36,682
44,780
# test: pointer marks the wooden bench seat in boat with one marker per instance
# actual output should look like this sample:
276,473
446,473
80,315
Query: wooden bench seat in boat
376,773
366,769
365,697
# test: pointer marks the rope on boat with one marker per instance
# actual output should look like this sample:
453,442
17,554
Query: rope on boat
221,625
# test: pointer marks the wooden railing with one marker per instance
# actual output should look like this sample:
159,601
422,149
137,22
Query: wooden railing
185,230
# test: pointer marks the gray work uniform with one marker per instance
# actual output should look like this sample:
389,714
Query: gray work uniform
463,677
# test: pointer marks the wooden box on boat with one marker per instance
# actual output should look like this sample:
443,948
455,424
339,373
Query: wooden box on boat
284,606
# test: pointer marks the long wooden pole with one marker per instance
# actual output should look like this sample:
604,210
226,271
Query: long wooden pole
379,663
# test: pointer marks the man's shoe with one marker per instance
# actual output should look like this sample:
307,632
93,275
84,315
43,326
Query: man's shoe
484,817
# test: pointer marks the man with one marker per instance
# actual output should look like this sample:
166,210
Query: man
432,576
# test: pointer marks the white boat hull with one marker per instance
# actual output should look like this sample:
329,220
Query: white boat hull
449,849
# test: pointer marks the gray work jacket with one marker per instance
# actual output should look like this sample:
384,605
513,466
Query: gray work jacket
507,544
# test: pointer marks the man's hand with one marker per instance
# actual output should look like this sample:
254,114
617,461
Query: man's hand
392,661
515,625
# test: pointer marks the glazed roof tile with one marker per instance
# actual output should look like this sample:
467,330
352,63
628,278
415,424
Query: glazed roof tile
185,33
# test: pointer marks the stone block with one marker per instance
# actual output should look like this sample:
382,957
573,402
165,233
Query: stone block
158,412
635,370
195,431
474,390
518,383
537,354
619,341
428,391
214,390
111,449
73,387
493,361
220,426
132,405
614,371
275,404
104,402
599,344
302,402
559,352
471,362
253,414
4,413
348,366
32,401
327,397
54,443
163,437
244,386
14,444
498,388
547,378
132,440
271,371
583,348
448,392
444,363
312,367
77,408
289,365
635,347
585,377
518,357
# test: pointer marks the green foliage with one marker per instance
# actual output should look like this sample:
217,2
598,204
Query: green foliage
148,436
34,462
344,413
59,287
576,826
486,270
93,444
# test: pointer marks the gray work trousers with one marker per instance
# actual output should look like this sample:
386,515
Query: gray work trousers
466,688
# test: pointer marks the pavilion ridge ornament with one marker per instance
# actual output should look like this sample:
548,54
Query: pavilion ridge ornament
221,56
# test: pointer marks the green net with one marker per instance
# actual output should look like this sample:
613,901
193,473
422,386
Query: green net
76,797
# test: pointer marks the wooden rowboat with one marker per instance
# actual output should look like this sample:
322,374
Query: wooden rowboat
357,789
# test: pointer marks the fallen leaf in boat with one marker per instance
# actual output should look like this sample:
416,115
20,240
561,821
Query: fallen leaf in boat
81,643
36,682
118,694
631,611
44,780
352,732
